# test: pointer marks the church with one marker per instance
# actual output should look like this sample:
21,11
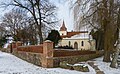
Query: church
79,40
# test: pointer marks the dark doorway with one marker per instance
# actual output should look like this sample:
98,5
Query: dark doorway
76,45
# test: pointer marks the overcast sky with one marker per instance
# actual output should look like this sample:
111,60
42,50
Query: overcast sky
64,13
3,10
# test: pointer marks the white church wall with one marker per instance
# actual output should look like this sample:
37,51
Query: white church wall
86,45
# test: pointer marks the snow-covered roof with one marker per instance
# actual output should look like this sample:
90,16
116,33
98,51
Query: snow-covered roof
80,36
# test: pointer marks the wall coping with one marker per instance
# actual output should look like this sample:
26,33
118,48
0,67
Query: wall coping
47,41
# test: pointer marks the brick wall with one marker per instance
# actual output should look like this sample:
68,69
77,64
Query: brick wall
31,48
63,53
77,58
36,54
45,56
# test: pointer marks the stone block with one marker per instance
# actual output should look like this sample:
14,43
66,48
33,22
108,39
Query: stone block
100,72
85,69
65,65
78,68
81,68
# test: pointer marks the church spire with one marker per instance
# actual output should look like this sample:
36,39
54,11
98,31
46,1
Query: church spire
63,28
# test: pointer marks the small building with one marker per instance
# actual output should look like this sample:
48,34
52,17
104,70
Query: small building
78,40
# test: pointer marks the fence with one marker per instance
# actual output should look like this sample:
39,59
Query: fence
44,55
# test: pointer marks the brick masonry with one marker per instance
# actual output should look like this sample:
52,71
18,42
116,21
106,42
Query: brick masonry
46,58
76,59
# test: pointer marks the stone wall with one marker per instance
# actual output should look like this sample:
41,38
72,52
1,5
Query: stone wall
38,55
34,58
41,59
47,57
76,59
5,50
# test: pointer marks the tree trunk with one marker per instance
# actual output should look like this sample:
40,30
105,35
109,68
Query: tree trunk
41,38
106,56
107,45
40,24
114,63
109,29
109,42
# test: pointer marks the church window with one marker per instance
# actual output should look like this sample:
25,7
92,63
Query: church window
69,43
82,43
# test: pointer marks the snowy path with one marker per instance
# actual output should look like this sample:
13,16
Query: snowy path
103,66
9,64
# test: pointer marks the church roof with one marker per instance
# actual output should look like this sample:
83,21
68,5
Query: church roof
81,36
70,34
63,28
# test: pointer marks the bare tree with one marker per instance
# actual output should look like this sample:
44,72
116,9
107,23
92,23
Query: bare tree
14,21
102,15
40,10
2,31
114,63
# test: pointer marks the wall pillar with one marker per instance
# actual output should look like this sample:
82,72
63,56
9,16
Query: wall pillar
47,59
18,44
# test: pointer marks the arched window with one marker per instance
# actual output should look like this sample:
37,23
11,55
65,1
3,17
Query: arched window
69,43
82,43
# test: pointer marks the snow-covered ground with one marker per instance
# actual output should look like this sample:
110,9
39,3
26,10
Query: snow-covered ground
105,66
9,64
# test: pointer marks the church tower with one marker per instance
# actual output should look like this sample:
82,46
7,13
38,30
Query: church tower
63,29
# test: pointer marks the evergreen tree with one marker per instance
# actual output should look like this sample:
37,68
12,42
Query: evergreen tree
54,36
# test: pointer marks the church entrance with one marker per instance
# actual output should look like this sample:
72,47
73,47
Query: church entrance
76,45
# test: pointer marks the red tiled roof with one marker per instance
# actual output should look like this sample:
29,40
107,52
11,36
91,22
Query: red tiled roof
69,34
